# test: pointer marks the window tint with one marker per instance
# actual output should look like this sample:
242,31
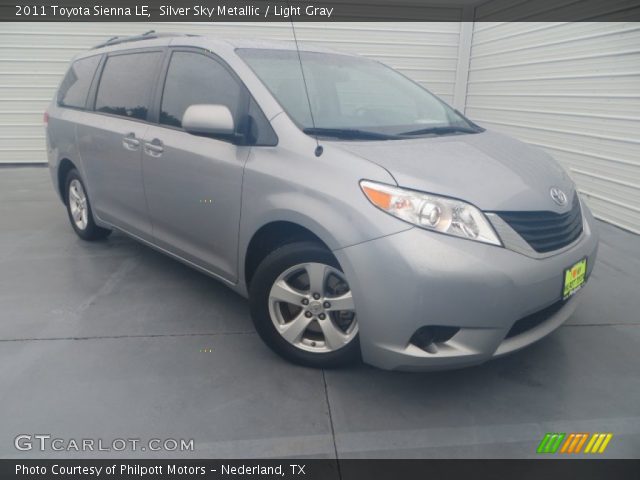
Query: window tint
75,86
192,79
126,83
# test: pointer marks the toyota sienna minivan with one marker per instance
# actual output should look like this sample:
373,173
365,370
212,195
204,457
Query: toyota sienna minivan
360,214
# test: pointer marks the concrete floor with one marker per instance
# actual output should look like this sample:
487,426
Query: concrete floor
105,340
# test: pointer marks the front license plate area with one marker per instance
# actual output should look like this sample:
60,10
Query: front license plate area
574,278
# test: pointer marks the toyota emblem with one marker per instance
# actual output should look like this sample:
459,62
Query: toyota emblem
558,196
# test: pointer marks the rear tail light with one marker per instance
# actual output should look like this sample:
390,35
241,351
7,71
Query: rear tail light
45,118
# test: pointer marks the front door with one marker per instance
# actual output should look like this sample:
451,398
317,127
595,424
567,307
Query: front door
194,184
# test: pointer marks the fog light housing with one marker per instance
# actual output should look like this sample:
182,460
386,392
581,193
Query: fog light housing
426,338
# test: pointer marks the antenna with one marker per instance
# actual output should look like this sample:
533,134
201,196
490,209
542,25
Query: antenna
319,148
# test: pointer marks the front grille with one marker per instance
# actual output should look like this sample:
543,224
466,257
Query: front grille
547,231
531,321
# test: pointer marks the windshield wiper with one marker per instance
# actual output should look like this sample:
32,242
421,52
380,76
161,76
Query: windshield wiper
441,130
350,134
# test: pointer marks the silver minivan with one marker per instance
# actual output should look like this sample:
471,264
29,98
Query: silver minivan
361,215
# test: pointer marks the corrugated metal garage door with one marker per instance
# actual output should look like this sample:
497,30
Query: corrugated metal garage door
574,89
33,58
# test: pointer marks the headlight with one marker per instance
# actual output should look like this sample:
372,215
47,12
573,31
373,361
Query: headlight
441,214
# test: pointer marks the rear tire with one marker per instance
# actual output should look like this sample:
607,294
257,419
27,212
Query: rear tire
79,209
302,308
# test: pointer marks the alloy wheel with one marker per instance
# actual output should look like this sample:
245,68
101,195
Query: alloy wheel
78,204
312,307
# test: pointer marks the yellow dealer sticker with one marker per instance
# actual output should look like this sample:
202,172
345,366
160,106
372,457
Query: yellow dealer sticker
574,278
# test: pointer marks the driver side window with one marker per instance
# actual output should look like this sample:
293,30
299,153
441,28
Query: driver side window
194,78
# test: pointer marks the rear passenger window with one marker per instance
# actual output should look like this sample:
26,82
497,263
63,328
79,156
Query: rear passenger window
76,83
126,84
193,79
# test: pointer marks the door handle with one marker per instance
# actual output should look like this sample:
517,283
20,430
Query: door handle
154,148
130,142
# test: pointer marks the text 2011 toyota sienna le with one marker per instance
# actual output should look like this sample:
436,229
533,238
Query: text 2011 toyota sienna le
368,218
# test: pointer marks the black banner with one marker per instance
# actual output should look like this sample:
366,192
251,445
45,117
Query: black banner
318,11
592,469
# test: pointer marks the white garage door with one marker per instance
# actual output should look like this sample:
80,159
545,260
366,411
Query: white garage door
34,56
573,89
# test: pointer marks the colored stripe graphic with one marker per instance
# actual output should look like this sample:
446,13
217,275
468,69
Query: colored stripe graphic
582,441
605,443
574,443
550,442
598,443
543,443
567,442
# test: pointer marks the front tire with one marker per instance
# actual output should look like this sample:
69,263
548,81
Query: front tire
79,209
302,306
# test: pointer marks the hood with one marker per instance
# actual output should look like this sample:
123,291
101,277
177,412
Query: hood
492,171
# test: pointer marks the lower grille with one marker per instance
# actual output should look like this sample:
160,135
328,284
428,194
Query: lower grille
547,231
531,321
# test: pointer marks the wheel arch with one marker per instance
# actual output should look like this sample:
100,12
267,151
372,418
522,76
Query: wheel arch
271,236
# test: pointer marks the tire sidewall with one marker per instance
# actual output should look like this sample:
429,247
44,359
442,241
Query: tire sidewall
266,274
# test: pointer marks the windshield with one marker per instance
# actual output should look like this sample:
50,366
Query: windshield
352,95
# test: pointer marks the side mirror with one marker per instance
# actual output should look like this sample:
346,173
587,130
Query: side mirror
213,120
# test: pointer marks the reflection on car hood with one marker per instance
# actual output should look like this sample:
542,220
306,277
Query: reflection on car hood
490,170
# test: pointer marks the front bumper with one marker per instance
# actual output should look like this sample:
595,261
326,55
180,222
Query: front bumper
416,278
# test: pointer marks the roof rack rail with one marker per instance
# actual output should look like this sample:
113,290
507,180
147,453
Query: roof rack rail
136,38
